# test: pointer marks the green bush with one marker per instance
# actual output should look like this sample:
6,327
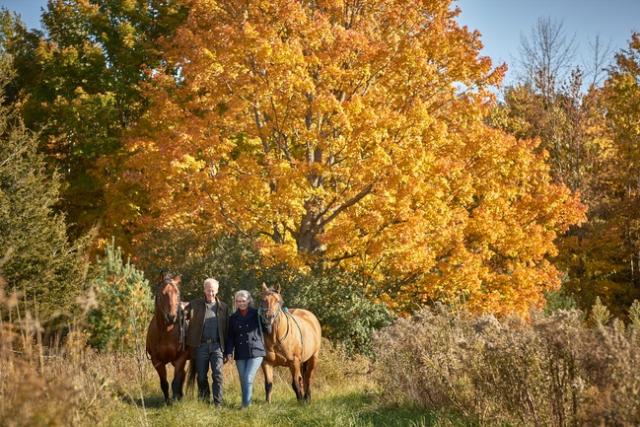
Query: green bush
559,300
124,303
346,314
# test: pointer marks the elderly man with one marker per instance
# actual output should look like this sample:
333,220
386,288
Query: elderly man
208,325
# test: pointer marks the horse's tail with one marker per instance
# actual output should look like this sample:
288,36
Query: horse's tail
191,373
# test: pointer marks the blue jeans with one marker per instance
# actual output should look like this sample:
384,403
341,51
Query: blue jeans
209,355
247,369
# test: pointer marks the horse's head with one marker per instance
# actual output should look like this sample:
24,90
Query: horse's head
272,303
168,297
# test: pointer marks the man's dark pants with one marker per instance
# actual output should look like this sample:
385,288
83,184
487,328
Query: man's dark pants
209,355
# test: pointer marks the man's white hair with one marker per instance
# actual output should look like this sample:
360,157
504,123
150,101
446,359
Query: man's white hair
212,282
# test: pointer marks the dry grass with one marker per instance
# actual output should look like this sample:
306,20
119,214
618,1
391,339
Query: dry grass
554,370
67,383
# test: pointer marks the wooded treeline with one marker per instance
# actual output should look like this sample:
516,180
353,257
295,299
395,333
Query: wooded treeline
354,152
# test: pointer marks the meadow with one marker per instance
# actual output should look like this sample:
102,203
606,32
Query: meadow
76,385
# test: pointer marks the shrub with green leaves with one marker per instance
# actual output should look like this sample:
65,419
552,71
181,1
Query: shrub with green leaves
559,300
346,314
124,303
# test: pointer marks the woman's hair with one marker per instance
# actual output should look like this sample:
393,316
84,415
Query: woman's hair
242,294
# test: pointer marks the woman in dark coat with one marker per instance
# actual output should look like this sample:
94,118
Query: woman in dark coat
245,342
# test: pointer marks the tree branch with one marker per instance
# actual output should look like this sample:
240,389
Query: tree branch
355,199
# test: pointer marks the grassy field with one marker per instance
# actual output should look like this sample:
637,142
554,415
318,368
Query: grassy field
344,395
75,385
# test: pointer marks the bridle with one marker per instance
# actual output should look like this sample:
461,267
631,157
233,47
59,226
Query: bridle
276,316
263,313
180,320
159,307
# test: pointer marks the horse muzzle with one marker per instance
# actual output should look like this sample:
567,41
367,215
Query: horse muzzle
269,318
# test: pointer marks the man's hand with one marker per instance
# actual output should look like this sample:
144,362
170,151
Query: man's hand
186,307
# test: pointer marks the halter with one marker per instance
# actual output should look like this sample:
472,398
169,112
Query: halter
180,319
276,316
165,315
277,312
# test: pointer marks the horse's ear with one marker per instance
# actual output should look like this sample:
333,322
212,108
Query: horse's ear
161,278
177,279
264,287
278,288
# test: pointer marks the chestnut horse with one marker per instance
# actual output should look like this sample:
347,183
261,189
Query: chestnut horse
293,341
166,336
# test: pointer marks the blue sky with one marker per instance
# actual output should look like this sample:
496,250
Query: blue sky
502,22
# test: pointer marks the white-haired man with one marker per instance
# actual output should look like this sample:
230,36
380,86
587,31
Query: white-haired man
208,325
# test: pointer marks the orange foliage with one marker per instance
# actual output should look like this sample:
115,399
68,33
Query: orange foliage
349,133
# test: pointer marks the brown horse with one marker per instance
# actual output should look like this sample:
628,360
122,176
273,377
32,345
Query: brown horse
165,336
293,341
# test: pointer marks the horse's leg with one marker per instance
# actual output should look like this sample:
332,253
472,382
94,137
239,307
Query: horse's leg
178,377
267,371
164,384
296,378
309,367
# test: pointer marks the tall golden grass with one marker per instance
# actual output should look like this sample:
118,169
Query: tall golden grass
64,382
555,370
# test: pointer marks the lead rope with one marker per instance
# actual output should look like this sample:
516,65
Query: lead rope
182,330
298,325
260,324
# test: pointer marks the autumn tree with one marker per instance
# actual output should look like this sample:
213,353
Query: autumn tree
549,102
347,134
546,57
568,124
615,236
81,79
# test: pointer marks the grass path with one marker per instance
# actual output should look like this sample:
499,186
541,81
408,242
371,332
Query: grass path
341,398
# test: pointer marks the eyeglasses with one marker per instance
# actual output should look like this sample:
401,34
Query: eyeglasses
241,300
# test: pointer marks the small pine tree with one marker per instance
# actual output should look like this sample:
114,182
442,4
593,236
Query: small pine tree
124,303
634,314
600,314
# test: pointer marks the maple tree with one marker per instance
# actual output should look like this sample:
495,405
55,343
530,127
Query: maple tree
350,134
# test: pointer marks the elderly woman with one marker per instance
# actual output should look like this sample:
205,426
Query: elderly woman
245,342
